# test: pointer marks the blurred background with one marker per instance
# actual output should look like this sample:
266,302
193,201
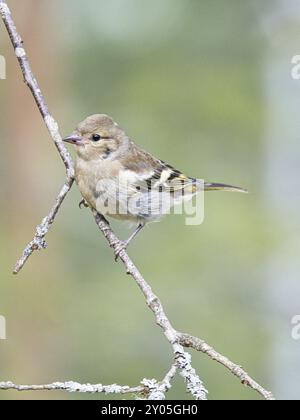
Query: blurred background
207,86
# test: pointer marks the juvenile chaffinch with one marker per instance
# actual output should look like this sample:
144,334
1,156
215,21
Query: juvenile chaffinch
119,179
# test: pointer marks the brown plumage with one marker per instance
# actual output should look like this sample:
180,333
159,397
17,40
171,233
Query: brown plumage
119,179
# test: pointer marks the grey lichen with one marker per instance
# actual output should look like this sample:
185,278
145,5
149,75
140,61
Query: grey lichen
4,9
20,52
193,382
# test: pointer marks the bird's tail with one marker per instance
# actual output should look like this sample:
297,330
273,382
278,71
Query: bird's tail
211,186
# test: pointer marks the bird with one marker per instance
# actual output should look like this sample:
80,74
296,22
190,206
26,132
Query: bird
120,180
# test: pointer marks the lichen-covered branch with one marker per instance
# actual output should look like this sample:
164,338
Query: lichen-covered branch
76,387
177,339
150,389
32,83
183,359
157,390
38,242
197,344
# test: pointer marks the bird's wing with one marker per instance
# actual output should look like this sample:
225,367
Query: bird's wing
152,185
154,174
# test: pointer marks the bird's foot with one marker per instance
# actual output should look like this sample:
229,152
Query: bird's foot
83,203
118,247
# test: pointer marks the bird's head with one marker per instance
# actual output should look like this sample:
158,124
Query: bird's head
98,137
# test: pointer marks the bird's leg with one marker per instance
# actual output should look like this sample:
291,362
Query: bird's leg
135,233
122,245
83,203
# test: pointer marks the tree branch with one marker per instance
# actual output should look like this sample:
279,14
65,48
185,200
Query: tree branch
38,242
32,83
76,387
157,390
149,389
177,340
196,343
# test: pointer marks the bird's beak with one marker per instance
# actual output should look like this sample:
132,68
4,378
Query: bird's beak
74,139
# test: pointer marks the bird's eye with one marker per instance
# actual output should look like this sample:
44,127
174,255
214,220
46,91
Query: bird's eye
96,137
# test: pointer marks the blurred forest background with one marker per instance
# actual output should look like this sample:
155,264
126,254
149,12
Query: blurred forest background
205,85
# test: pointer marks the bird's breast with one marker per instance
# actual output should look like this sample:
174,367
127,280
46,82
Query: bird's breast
99,184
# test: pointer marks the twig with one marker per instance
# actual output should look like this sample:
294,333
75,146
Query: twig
76,387
197,344
38,242
177,339
32,83
194,383
174,337
157,390
149,388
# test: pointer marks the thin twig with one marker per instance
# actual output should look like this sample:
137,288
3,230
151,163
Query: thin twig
149,388
76,387
177,339
197,344
32,83
157,390
38,242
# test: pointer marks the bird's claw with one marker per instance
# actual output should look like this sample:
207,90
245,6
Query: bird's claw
83,203
118,247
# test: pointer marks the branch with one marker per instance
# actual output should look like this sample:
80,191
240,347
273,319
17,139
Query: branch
32,83
38,242
157,390
183,359
76,387
200,345
149,389
177,340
